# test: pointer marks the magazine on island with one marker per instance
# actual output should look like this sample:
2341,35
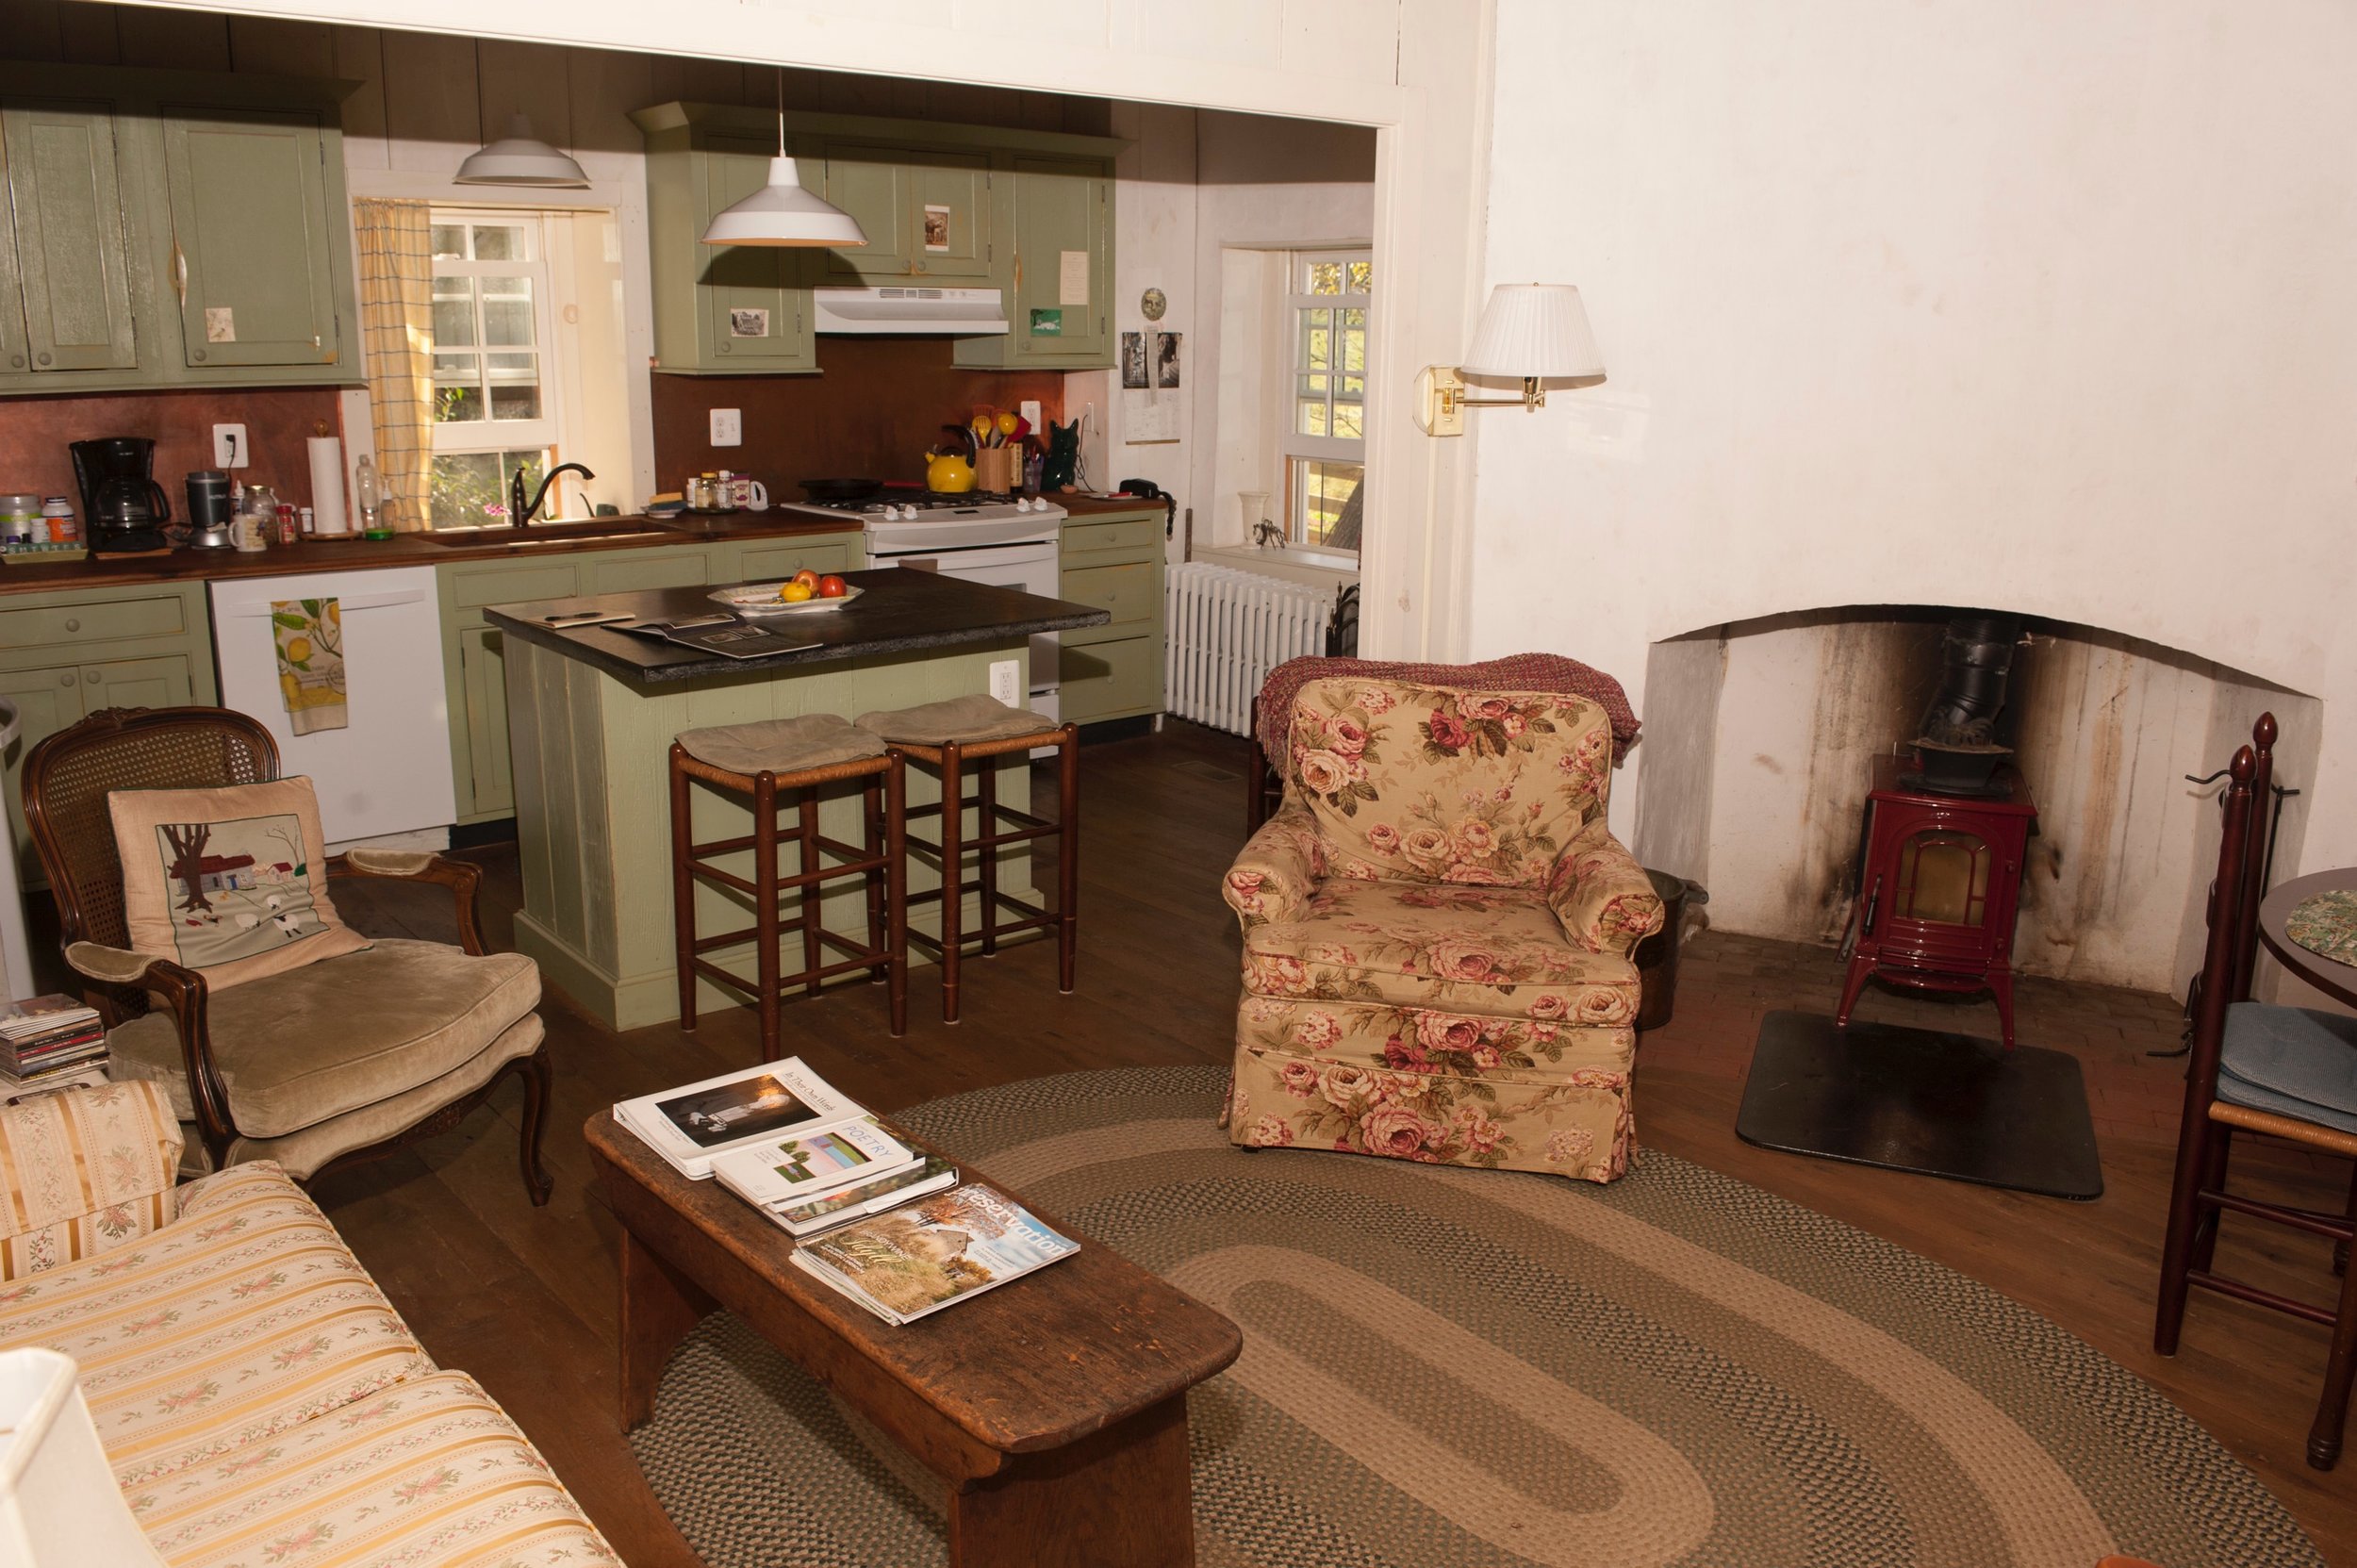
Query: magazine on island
692,1124
809,1215
812,1164
933,1253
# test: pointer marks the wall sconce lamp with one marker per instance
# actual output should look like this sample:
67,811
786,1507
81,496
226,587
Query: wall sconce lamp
1535,332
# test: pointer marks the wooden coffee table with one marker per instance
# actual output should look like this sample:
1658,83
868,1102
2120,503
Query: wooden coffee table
1054,1405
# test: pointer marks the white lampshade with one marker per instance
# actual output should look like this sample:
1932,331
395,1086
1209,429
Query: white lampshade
519,158
1535,330
782,213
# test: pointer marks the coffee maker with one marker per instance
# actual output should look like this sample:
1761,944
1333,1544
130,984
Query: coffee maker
123,507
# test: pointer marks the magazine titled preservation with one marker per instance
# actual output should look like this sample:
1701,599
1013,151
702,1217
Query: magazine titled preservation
933,1253
810,1165
691,1125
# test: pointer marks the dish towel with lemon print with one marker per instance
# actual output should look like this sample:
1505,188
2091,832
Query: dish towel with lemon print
310,637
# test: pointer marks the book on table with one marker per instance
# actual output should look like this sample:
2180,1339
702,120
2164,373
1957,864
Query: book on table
812,1164
934,1253
693,1124
808,1216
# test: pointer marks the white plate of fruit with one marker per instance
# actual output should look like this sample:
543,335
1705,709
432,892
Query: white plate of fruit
804,593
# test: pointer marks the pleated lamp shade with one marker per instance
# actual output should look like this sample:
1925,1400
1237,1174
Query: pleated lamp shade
520,158
782,213
1537,330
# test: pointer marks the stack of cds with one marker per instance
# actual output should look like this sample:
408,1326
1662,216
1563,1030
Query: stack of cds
50,1042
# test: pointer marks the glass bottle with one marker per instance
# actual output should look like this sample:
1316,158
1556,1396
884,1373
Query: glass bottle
367,495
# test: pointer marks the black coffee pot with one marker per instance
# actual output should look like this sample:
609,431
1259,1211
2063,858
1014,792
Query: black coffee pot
127,508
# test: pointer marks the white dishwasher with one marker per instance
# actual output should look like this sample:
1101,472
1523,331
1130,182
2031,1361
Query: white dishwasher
387,774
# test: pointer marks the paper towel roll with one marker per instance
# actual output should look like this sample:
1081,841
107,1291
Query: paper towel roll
327,484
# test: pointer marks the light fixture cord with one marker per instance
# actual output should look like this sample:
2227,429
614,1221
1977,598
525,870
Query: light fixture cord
482,137
780,70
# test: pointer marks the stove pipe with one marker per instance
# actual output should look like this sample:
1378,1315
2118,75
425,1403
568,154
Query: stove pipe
1977,655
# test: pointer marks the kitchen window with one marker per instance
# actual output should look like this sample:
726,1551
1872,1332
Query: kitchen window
1325,447
496,403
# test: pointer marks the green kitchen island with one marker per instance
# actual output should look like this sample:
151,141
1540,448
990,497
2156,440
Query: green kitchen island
591,712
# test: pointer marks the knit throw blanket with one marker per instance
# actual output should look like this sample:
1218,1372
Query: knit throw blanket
1515,672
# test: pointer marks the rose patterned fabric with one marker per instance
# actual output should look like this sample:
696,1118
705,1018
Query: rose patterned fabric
1437,934
1601,895
1495,952
1514,672
83,1171
219,1330
1411,1083
430,1473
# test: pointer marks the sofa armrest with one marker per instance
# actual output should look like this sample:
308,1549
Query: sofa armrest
113,966
83,1170
461,877
1279,867
1601,895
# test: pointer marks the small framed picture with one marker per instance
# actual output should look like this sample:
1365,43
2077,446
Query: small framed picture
1166,358
1133,368
936,228
748,321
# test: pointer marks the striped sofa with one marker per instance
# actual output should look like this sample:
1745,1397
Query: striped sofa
259,1398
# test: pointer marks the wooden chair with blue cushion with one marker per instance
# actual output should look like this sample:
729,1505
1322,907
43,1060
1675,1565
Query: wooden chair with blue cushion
2286,1072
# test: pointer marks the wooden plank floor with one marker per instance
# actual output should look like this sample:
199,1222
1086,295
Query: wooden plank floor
523,1298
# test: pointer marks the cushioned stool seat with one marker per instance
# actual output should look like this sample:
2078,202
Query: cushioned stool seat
977,716
2290,1060
781,745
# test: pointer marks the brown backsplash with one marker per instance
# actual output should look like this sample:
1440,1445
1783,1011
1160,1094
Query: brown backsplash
876,405
34,433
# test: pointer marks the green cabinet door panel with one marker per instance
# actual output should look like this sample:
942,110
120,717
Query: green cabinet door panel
46,701
955,188
167,681
869,183
485,770
69,260
1048,208
251,270
756,316
925,211
823,553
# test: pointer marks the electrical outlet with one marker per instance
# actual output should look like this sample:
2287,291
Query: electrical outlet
1088,418
1006,680
230,449
728,427
1029,408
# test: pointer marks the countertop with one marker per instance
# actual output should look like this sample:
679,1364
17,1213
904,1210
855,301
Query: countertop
903,612
402,549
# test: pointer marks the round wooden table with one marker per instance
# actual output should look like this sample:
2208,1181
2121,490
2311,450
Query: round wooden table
2328,975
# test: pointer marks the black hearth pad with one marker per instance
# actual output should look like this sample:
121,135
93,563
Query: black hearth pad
1910,1099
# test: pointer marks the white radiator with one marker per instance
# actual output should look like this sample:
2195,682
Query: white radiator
1228,630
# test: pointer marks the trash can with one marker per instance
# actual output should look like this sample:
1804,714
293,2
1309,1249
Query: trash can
1657,954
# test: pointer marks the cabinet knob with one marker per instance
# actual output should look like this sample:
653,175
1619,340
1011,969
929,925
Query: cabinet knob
724,348
16,361
44,359
73,625
89,677
66,679
197,355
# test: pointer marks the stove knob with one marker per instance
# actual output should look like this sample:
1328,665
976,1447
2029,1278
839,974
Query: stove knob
1023,504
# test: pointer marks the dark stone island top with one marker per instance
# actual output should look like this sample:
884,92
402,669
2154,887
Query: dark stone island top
903,611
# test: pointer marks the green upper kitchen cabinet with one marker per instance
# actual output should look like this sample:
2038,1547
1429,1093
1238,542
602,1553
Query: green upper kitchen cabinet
173,229
1057,265
721,309
924,209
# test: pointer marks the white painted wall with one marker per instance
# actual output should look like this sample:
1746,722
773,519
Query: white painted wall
1966,302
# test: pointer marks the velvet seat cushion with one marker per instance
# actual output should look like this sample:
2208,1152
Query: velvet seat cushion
2290,1060
1493,952
781,745
298,1048
964,719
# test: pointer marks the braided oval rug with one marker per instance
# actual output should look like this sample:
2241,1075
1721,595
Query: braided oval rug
1470,1369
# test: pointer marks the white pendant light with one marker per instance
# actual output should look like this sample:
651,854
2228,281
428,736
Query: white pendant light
782,212
520,158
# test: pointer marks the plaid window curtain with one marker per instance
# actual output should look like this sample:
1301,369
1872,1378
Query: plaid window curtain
397,334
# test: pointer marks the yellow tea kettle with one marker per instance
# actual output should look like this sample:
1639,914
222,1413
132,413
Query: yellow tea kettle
948,473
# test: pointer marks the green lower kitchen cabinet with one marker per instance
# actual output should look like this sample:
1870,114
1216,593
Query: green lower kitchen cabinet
475,670
67,654
1112,561
171,229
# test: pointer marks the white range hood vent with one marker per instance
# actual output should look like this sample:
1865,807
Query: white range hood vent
907,310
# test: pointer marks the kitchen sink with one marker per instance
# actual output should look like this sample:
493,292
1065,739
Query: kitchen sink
504,534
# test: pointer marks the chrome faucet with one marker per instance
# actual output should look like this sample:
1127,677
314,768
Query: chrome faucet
519,511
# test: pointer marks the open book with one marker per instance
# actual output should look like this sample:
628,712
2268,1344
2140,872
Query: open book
812,1164
724,635
932,1253
691,1125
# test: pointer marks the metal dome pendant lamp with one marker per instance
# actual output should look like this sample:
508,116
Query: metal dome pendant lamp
518,157
782,212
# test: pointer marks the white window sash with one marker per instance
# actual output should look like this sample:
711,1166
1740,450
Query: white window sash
458,437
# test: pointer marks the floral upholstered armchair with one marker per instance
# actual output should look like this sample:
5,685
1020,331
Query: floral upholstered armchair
1438,927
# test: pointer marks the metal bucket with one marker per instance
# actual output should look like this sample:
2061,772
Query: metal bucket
1657,955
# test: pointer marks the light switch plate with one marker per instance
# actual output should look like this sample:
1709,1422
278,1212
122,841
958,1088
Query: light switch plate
1029,408
230,449
728,427
1006,680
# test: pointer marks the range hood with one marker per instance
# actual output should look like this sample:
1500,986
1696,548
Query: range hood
907,310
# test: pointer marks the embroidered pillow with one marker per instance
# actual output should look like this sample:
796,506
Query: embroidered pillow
232,881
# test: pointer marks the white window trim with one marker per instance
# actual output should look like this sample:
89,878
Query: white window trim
487,434
1290,446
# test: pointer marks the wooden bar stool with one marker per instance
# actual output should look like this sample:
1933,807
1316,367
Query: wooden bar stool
791,758
952,737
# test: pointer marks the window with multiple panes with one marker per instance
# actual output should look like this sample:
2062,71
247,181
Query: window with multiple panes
494,390
1324,442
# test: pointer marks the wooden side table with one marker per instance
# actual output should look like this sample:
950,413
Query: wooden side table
1938,888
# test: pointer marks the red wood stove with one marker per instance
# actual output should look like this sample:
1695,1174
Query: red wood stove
1940,887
